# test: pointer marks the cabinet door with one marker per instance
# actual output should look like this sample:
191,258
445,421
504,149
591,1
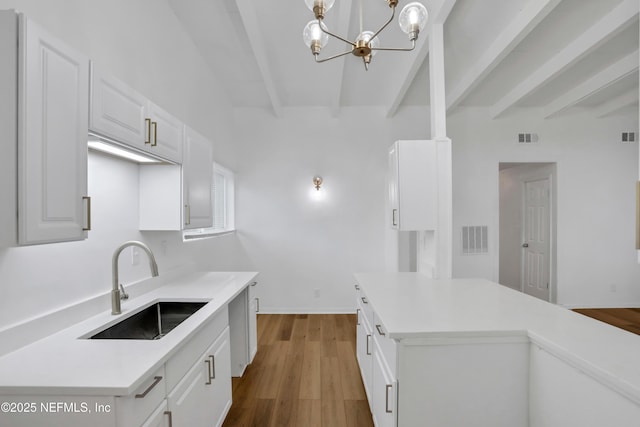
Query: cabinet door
161,417
393,186
198,174
203,397
364,351
384,392
52,139
253,327
167,133
117,111
413,185
220,357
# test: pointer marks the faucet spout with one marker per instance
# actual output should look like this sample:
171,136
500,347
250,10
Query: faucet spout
115,291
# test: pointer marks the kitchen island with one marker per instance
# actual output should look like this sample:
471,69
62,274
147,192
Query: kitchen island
469,352
69,379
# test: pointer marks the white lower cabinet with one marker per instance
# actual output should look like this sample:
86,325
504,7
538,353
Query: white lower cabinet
383,390
253,319
203,397
441,381
134,409
376,356
161,417
364,352
243,331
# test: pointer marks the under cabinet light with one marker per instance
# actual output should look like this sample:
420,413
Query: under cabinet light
116,150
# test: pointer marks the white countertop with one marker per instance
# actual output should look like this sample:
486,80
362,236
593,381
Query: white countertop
67,364
412,306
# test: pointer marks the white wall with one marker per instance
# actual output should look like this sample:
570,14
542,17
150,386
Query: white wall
152,53
300,244
596,177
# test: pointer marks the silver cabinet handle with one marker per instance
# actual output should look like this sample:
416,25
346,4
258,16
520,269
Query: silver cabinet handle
187,214
168,414
257,305
525,245
386,399
88,199
155,134
208,362
357,316
379,328
148,138
212,373
357,287
254,283
368,351
393,217
364,300
142,395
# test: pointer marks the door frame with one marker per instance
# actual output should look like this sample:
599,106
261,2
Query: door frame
529,171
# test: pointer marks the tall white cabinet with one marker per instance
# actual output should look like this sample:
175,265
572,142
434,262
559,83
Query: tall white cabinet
413,185
197,180
52,84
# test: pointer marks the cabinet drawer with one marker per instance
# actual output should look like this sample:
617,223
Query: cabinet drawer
184,359
134,409
387,346
363,305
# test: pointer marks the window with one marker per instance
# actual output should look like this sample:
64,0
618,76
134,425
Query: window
222,199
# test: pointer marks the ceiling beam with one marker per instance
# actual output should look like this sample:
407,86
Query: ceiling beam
618,103
342,27
613,73
534,12
406,77
603,30
251,26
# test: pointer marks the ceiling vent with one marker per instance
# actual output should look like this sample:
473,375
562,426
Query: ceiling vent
527,138
628,137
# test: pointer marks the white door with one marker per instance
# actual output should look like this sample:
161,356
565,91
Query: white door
536,245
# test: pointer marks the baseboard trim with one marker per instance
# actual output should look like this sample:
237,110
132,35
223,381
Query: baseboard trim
274,310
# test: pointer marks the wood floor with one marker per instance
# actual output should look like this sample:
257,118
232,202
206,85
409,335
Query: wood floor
625,318
304,374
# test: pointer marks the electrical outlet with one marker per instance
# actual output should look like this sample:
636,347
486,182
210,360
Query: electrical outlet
316,293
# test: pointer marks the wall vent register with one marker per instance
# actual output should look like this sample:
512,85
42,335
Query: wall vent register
628,137
475,239
527,138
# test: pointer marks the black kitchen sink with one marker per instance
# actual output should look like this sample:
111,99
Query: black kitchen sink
151,323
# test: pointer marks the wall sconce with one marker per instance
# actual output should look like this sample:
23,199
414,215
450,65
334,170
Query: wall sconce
317,181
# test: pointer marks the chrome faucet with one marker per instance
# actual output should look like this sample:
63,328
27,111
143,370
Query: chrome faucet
117,293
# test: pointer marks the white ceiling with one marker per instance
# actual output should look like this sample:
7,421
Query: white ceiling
558,55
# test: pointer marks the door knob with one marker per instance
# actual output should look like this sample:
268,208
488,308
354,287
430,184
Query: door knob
525,245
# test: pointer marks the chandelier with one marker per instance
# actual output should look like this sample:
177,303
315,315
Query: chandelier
412,20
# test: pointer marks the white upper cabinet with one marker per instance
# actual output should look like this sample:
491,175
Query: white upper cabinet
178,197
197,179
117,111
53,85
167,134
120,113
413,185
